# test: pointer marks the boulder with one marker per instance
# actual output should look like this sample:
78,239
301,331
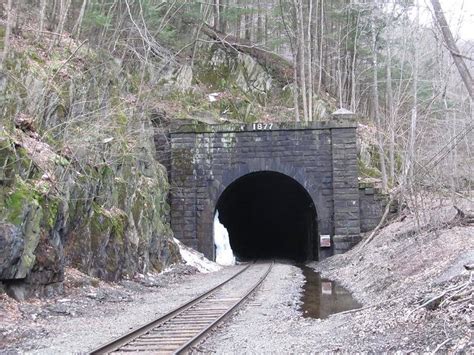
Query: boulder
250,76
11,250
184,78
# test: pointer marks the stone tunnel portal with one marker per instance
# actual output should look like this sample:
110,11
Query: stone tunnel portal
267,215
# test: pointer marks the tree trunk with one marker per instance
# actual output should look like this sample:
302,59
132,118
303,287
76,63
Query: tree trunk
391,113
205,11
353,66
338,71
260,27
222,20
375,106
295,88
301,55
321,51
63,10
216,14
314,45
309,76
414,111
248,20
42,17
238,27
8,30
266,30
453,49
77,27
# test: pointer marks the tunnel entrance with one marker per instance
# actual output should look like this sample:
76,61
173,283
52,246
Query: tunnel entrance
269,215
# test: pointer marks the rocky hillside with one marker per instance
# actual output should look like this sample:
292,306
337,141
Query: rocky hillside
79,184
82,183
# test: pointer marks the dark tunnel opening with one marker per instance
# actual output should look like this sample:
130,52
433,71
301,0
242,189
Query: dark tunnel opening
269,215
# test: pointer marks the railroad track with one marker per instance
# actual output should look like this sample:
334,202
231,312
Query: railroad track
178,331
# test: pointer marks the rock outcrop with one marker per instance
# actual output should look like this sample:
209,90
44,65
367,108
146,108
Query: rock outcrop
109,221
79,182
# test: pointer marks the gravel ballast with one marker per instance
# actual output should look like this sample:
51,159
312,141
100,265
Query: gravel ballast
395,278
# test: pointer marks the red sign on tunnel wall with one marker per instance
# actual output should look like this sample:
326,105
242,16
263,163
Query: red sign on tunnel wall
325,241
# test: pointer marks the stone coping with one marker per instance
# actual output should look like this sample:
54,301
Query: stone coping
194,126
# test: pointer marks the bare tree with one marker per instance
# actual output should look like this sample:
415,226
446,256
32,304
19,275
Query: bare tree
453,49
310,63
63,11
375,103
217,14
300,33
8,30
42,17
78,25
391,113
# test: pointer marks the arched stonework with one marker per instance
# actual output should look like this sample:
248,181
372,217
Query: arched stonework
205,160
218,187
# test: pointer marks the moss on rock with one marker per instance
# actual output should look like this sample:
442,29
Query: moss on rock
101,205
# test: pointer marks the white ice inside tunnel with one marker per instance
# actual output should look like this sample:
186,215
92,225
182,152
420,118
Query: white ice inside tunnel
224,254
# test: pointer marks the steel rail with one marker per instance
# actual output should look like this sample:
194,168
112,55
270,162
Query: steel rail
186,347
117,343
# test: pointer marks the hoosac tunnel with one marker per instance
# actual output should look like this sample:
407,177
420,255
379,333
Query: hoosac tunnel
267,181
269,215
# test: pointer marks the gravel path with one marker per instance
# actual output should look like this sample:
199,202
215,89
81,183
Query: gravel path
272,323
238,287
392,278
87,317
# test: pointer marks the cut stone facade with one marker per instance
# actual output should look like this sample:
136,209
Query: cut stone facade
320,156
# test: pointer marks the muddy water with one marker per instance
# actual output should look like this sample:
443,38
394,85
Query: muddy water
322,297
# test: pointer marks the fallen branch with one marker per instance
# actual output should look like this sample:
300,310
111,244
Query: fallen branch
462,300
440,346
68,59
458,291
464,218
280,68
28,28
439,298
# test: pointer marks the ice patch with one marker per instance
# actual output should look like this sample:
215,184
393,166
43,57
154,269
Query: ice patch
224,254
196,259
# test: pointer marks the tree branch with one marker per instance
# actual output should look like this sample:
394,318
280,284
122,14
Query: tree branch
451,44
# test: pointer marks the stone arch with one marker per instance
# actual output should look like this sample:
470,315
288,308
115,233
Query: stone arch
218,185
321,156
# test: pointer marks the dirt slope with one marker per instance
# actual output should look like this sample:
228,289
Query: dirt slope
404,268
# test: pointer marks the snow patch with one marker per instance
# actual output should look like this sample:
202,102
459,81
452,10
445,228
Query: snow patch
224,254
342,111
213,97
196,259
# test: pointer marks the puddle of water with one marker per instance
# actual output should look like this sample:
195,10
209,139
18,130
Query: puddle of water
322,297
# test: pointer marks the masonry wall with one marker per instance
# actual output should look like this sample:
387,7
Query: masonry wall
372,206
206,159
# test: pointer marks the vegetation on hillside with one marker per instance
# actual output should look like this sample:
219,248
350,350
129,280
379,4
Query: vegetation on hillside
85,80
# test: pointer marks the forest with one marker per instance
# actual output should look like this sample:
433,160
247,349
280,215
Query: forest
89,93
395,64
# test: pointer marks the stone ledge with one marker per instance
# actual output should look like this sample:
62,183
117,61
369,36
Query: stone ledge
193,126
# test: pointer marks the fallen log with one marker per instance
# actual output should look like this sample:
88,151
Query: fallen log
278,67
463,218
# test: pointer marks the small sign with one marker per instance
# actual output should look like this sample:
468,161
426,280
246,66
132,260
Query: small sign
325,241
